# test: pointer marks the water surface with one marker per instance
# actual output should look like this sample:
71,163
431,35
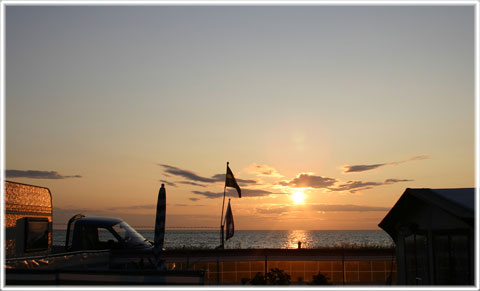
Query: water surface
248,239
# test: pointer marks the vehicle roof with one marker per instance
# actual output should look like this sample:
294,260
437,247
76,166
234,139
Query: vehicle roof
21,197
99,220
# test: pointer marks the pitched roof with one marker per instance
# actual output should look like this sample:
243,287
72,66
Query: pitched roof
459,202
461,196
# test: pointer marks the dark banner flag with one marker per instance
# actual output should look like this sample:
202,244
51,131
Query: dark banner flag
160,226
231,182
229,222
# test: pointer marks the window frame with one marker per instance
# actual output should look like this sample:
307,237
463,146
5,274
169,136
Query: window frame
450,233
427,271
28,220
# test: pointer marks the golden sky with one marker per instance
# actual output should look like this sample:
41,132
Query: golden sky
325,113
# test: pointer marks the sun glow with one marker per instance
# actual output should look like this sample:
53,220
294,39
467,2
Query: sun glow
298,197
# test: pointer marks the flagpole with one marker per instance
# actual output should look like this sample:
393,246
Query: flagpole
221,217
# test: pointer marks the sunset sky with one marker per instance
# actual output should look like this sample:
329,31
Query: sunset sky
325,113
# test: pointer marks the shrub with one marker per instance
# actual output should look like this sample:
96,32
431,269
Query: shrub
320,279
274,277
259,279
277,277
245,281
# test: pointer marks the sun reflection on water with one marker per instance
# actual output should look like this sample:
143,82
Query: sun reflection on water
295,236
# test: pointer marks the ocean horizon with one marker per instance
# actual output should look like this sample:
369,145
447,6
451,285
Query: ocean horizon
252,239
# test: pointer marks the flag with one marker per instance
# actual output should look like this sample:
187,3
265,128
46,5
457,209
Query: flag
229,222
231,182
160,227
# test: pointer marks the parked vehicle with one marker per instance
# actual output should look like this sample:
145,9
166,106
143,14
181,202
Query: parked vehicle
28,220
100,233
98,250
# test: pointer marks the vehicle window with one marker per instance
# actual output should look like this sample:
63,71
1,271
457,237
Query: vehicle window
36,238
106,239
120,230
89,235
104,235
129,235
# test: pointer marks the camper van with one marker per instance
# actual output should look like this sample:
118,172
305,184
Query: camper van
98,250
29,226
28,220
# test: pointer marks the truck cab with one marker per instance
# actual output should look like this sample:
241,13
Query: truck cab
101,233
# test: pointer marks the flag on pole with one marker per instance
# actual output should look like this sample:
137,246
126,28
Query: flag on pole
231,182
160,227
229,221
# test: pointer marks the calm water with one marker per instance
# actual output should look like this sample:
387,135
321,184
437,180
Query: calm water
263,238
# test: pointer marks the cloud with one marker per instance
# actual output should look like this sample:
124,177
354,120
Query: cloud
363,168
322,208
262,170
354,186
211,195
419,158
274,210
191,176
68,210
332,184
32,174
233,193
347,208
307,180
187,205
186,174
168,183
147,206
392,181
190,183
132,207
221,178
194,199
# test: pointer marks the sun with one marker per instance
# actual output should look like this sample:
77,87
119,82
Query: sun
298,197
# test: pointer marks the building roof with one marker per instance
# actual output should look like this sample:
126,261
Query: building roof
461,196
459,202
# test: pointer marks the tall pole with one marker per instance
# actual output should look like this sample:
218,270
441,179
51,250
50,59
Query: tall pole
221,217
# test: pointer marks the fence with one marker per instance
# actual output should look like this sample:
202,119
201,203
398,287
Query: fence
231,266
340,267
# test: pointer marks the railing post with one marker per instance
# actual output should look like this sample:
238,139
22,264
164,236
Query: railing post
266,262
218,271
343,265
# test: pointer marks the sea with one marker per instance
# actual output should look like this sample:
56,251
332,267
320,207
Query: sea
256,239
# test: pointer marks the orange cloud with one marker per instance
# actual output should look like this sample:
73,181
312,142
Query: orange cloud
262,170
